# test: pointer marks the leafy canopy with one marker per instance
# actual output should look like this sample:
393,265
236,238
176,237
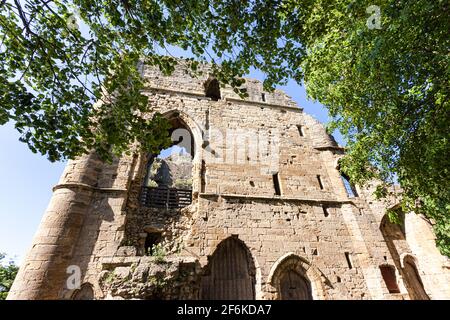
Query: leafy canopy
7,274
386,88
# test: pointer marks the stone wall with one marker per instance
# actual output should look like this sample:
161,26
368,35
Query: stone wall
333,240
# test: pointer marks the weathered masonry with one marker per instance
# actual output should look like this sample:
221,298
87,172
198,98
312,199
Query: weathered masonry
253,207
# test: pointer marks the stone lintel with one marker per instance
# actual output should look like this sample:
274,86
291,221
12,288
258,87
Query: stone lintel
276,198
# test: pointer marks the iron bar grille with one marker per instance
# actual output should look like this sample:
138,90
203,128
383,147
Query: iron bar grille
164,197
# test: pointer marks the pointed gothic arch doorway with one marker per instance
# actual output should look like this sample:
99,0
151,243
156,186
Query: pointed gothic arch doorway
230,273
294,286
289,277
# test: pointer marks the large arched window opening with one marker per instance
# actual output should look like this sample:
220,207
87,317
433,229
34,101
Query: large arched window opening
394,236
168,181
393,230
230,273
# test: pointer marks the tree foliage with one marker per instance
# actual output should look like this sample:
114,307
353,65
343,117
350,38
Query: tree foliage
7,274
386,88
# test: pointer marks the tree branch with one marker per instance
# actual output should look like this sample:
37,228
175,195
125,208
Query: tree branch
22,17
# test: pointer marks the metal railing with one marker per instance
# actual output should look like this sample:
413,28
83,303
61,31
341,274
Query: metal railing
164,197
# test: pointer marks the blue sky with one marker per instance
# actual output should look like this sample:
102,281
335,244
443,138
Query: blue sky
27,179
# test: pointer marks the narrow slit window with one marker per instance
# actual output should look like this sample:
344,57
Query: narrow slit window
319,180
203,177
207,120
263,97
348,257
276,184
300,130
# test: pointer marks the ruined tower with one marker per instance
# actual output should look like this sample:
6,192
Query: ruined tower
253,207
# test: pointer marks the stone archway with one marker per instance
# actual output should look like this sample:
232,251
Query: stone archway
172,175
193,136
230,273
86,292
293,278
180,119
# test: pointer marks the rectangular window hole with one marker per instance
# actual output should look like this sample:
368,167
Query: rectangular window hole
151,240
300,130
263,97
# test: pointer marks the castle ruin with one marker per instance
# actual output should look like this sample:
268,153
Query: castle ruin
253,207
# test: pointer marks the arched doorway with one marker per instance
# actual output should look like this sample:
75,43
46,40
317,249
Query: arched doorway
413,282
294,286
289,278
230,273
86,292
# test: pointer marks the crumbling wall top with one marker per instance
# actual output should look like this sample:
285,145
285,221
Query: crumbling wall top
183,81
